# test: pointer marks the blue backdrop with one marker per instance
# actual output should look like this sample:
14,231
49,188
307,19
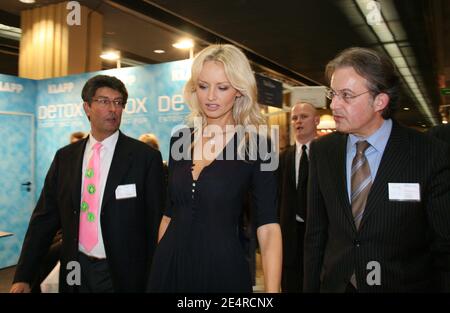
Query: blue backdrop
155,105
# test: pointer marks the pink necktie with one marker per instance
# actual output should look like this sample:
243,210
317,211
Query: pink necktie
90,200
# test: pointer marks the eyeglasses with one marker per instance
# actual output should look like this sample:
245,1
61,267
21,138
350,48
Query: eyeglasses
118,103
344,95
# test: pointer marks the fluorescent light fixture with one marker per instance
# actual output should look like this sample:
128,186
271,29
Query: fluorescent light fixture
400,62
10,32
130,62
326,122
184,44
28,1
382,31
159,51
409,79
406,109
110,55
393,50
385,36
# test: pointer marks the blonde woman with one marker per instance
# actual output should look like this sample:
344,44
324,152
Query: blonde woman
212,169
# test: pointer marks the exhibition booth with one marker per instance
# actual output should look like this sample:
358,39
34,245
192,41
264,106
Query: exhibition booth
38,116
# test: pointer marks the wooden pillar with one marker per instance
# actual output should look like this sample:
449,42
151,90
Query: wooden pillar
50,47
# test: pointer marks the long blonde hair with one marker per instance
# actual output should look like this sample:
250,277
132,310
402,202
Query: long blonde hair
246,110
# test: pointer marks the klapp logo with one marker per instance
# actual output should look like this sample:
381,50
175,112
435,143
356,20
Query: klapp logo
60,88
10,87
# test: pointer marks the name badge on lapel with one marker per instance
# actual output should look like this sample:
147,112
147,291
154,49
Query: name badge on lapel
126,191
404,191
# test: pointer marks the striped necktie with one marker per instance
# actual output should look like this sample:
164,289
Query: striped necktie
361,181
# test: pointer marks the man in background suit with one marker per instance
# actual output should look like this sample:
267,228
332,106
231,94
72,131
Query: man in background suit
293,182
441,132
130,198
378,193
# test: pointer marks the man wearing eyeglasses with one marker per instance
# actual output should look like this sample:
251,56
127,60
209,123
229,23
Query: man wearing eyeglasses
106,194
379,193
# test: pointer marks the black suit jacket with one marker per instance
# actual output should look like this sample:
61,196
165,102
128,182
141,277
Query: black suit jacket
441,132
288,205
129,226
409,240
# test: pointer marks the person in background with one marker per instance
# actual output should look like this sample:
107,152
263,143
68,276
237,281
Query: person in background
151,140
441,132
75,136
105,192
199,248
293,178
378,217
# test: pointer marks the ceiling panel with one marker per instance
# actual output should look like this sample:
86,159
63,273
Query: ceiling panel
299,37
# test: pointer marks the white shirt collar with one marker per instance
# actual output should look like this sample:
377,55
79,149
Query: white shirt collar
298,146
108,143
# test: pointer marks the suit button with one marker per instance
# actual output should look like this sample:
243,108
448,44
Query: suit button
74,212
357,243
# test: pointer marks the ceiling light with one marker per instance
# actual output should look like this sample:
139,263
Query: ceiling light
326,122
110,55
10,32
444,122
159,51
28,1
406,109
184,44
390,45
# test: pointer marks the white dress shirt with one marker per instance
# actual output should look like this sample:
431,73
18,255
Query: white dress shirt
106,155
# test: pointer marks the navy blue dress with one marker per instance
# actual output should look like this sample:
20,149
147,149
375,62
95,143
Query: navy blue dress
201,250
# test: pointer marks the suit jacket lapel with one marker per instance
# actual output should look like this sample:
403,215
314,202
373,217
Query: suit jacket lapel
338,169
77,170
119,166
392,162
290,165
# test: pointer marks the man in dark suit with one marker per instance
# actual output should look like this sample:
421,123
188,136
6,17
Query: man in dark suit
293,177
378,193
121,225
53,255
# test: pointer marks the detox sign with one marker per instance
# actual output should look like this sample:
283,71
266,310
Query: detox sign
155,105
